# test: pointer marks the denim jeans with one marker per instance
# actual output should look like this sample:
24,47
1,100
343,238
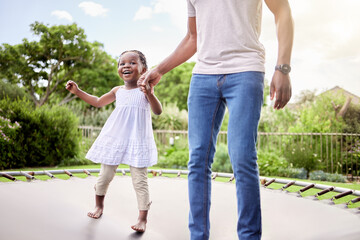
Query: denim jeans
208,97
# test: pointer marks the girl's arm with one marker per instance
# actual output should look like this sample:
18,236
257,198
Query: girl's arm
105,99
154,102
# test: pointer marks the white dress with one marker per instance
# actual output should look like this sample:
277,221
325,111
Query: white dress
127,136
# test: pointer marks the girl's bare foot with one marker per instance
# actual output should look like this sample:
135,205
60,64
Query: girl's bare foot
96,213
99,207
140,226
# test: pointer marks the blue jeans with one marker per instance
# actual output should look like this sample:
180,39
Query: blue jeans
242,93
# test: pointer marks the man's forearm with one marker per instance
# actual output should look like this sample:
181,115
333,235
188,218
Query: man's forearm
185,50
285,34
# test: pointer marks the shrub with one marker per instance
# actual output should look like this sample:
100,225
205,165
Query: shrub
300,173
270,162
222,160
330,177
176,156
47,135
301,157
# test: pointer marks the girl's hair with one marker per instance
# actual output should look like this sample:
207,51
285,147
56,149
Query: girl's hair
141,56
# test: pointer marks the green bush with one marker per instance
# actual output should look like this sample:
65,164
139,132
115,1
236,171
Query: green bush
270,162
330,177
222,160
12,91
301,157
300,173
45,136
176,156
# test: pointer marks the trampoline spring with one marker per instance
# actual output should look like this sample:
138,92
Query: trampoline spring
214,176
306,188
353,201
232,178
8,176
324,191
269,182
341,195
68,173
28,176
287,185
154,173
49,174
87,172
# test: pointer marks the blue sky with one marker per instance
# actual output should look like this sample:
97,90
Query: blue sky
325,54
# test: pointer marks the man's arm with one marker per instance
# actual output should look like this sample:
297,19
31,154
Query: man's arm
185,50
280,84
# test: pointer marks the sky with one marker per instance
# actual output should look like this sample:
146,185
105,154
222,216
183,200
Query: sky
325,54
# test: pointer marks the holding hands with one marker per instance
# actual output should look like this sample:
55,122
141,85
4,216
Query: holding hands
148,81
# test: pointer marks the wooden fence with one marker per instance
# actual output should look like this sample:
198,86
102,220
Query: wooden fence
336,152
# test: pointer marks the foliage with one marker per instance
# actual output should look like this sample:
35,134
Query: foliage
319,116
330,177
61,53
175,156
174,85
276,121
351,119
222,160
47,135
171,118
289,172
301,157
12,91
90,116
270,162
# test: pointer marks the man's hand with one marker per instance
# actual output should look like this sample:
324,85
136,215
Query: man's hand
281,87
148,80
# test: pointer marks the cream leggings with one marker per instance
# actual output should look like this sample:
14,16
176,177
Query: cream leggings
139,180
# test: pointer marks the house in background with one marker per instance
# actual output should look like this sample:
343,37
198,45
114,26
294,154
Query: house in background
338,91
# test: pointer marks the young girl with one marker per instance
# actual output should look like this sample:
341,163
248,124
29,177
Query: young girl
127,135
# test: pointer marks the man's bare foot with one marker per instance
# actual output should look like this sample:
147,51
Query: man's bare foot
96,213
140,226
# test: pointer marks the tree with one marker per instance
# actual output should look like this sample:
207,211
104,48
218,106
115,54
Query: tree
174,85
62,53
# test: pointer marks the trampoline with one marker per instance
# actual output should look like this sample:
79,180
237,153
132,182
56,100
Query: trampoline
56,209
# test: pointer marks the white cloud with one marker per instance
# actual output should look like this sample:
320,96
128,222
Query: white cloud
177,10
143,13
93,9
156,29
62,15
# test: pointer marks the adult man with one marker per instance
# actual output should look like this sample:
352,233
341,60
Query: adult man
229,72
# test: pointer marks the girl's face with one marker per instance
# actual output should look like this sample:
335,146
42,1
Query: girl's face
130,67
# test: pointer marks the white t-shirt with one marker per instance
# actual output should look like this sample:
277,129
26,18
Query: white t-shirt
228,34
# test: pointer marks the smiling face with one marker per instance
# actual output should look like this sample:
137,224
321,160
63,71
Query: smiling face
130,68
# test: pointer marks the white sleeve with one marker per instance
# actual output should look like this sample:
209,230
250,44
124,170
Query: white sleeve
191,9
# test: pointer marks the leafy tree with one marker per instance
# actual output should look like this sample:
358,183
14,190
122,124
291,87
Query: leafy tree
319,116
174,85
61,53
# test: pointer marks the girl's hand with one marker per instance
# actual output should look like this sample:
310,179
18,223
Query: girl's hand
72,87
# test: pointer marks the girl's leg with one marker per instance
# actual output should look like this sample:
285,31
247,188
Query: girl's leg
107,173
139,180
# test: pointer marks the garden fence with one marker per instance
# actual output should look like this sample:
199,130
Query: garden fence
336,152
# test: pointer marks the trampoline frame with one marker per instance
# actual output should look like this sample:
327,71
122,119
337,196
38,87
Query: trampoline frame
30,175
